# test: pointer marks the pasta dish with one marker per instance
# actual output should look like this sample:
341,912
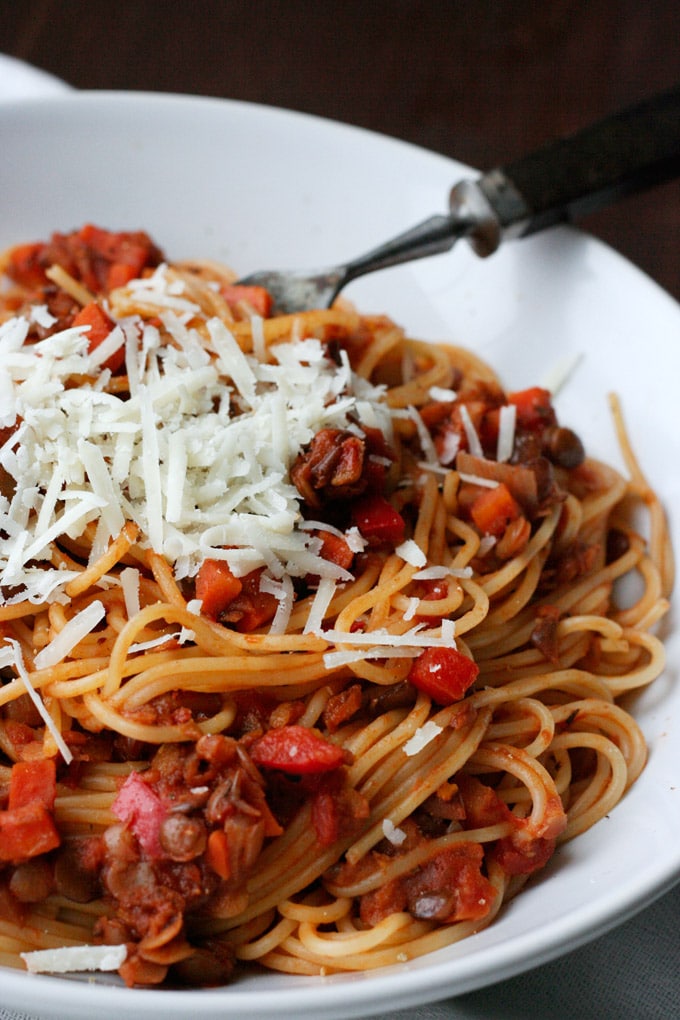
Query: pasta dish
312,636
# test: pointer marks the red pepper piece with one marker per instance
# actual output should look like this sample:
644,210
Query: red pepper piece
378,521
26,832
33,782
296,750
445,674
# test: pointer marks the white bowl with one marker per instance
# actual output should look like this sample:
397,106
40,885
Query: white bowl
258,187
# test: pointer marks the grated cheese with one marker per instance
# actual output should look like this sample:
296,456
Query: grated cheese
488,483
421,738
16,659
506,432
71,959
322,600
424,436
437,573
78,627
412,609
198,456
129,582
413,638
390,831
411,553
442,395
333,660
473,440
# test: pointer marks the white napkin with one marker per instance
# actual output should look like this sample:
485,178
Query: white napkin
633,973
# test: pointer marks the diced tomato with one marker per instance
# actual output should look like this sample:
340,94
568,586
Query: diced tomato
493,509
482,805
258,298
26,832
141,808
524,850
378,521
216,587
94,316
325,818
454,873
534,408
296,750
33,782
445,674
523,856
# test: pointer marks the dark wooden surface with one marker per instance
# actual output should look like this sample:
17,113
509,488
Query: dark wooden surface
479,80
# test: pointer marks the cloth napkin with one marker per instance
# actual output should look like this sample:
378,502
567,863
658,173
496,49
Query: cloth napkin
632,973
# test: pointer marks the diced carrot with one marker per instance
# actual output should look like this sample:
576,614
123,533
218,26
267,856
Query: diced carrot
26,832
378,521
33,782
216,587
25,265
335,549
217,853
119,274
252,607
94,316
534,408
493,509
258,298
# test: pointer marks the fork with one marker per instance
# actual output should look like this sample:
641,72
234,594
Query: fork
629,151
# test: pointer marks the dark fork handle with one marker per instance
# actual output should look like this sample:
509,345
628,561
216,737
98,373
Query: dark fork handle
627,152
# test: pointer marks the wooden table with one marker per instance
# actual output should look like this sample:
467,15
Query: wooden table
480,80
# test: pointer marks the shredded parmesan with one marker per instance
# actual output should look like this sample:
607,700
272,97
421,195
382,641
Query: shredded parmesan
322,600
442,395
82,624
424,436
72,959
473,440
422,737
411,552
412,609
198,455
16,659
416,637
506,432
391,833
488,483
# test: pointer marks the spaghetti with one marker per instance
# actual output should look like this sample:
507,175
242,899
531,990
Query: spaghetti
311,645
